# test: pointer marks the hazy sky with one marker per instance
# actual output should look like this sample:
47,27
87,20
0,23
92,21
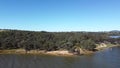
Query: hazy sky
60,15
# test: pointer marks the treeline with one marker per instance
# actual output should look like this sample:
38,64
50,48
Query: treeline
30,40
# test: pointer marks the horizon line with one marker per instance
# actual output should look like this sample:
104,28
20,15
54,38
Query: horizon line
60,31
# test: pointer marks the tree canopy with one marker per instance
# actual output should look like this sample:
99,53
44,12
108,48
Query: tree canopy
29,40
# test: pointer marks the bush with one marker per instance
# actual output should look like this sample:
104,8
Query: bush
88,44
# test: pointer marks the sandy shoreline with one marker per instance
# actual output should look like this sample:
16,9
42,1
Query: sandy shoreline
102,48
56,53
22,51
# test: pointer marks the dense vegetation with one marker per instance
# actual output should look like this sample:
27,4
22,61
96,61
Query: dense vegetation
29,40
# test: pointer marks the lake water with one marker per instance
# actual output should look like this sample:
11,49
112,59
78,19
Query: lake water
109,58
114,36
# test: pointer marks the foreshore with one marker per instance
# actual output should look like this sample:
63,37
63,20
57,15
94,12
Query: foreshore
56,53
22,51
102,48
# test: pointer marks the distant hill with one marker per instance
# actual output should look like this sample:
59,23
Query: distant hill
114,33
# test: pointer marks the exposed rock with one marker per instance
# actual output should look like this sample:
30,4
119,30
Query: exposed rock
101,45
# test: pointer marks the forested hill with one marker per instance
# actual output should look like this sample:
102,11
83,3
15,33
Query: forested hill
29,40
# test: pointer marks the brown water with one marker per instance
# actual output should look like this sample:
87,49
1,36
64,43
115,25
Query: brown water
109,58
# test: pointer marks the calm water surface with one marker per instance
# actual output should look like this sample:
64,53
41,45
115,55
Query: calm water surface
109,58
